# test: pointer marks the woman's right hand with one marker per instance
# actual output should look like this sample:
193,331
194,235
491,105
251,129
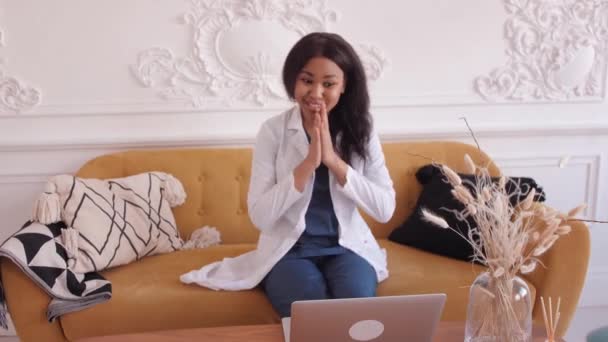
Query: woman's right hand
315,155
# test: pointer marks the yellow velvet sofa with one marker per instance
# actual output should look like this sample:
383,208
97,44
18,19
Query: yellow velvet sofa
147,294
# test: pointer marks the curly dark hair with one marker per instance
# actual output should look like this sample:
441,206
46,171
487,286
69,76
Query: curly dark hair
350,118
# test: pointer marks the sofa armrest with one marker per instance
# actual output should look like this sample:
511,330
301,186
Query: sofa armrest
563,274
27,304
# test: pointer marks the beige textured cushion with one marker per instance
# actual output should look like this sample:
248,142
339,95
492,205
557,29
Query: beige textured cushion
116,221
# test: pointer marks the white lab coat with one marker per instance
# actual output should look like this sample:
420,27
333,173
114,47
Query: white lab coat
277,209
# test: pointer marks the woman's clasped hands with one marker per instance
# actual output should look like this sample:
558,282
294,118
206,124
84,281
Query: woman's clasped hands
321,148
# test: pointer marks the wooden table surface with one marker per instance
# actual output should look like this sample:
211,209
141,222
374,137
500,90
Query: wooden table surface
446,332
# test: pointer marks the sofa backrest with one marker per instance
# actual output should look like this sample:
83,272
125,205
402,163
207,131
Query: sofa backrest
217,180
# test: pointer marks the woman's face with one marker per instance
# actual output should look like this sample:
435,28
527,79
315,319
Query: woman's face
320,80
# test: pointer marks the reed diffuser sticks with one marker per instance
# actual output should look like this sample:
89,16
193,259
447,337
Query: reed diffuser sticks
551,318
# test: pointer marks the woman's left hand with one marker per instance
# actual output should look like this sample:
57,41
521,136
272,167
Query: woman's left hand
329,157
328,154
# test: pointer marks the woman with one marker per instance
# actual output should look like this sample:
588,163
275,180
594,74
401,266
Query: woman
312,167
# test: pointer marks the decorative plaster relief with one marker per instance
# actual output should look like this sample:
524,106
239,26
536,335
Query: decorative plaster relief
15,97
556,50
238,51
374,60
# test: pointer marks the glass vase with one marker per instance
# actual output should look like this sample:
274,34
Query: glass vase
499,309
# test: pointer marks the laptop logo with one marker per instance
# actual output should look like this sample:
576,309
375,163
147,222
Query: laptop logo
366,330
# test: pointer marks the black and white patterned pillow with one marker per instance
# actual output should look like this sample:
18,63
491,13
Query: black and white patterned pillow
115,221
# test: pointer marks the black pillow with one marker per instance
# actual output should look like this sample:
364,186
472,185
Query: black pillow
436,194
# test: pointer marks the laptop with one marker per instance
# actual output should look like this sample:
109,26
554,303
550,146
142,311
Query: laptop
377,319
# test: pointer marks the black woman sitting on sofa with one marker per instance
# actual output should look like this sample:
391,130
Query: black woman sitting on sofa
313,165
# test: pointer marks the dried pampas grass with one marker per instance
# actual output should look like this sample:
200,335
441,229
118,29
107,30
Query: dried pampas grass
508,240
434,219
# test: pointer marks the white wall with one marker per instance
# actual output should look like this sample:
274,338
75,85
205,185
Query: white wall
100,76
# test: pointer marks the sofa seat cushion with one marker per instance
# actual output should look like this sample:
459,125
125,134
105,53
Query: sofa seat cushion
413,271
148,295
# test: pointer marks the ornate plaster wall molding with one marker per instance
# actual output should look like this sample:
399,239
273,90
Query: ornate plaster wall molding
232,59
374,60
15,96
556,50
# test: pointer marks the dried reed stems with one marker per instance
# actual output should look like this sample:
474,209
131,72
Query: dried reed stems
507,239
550,322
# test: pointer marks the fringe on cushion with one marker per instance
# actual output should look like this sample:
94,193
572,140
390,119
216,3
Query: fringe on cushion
174,191
69,236
47,208
203,237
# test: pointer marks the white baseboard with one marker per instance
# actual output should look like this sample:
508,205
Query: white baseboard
594,292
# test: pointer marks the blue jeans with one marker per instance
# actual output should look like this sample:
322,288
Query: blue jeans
345,275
